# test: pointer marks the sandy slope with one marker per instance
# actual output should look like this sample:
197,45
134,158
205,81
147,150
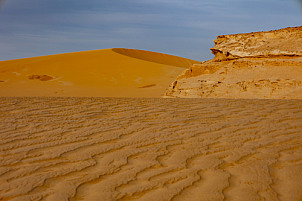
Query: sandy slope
263,78
150,149
111,72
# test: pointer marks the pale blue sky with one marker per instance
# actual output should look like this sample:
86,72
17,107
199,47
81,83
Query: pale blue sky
180,27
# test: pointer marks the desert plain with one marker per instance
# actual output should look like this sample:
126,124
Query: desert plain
94,126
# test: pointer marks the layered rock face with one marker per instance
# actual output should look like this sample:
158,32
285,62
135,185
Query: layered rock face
254,65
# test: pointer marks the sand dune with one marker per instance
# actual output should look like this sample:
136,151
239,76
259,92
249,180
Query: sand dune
150,149
119,149
112,72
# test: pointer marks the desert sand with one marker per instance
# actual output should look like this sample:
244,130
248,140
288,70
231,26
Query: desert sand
150,149
113,72
244,145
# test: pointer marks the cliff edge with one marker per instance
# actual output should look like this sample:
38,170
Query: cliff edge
251,65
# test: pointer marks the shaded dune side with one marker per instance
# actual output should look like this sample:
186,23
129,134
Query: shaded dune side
156,57
150,149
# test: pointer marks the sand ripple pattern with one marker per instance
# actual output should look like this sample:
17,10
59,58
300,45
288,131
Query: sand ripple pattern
150,149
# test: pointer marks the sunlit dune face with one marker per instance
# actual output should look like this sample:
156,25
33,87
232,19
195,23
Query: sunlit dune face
111,72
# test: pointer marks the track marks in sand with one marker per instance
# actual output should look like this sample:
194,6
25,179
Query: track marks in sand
150,149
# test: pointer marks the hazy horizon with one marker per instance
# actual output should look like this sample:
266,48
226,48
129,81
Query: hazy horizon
183,28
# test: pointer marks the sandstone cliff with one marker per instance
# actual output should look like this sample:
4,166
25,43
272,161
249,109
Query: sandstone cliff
253,65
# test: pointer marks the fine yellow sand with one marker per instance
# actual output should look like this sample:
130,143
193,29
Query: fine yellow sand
150,149
111,73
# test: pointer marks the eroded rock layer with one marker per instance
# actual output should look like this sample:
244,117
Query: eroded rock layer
286,41
254,65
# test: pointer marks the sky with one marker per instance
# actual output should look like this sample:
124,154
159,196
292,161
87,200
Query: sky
184,28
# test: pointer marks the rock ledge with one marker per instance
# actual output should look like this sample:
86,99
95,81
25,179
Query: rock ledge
254,65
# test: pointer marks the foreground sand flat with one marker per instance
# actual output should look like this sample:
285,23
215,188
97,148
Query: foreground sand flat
150,149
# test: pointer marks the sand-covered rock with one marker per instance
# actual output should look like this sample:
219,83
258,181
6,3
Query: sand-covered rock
254,65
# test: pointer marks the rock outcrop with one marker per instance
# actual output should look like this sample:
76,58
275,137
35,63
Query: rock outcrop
253,65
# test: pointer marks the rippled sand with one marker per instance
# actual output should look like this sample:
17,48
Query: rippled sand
150,149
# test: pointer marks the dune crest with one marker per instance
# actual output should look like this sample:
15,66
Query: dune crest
107,73
253,65
156,57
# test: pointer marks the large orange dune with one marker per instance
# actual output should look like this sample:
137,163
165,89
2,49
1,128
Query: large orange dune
114,72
